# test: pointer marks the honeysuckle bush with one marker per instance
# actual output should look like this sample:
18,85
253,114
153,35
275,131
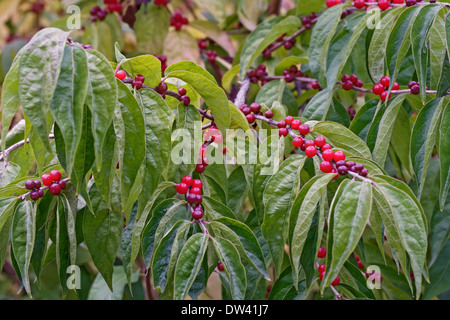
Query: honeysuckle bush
298,151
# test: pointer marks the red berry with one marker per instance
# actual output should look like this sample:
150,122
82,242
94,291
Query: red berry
320,141
281,124
384,96
34,195
182,91
415,89
220,266
297,142
186,100
182,188
197,183
187,180
62,184
315,85
303,129
255,107
385,81
37,184
359,83
289,78
347,85
162,87
309,143
378,88
326,146
322,268
326,166
268,114
383,4
139,77
283,132
195,190
288,45
30,185
328,155
339,155
55,189
296,124
289,120
322,252
336,281
345,78
360,265
136,84
197,214
55,175
321,275
395,86
121,74
250,118
353,78
310,151
359,4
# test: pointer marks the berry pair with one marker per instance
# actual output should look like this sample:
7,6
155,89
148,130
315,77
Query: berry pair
344,167
178,20
138,81
203,161
163,60
414,86
258,74
291,73
183,97
307,21
349,81
249,112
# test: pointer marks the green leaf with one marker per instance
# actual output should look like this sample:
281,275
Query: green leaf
39,68
216,209
126,245
151,28
350,214
438,50
379,43
265,34
322,34
100,290
10,103
439,281
342,138
102,235
214,96
68,102
285,288
190,67
7,209
279,194
133,151
423,138
419,40
147,65
249,243
101,99
188,264
317,108
385,129
444,155
22,239
363,119
233,268
301,217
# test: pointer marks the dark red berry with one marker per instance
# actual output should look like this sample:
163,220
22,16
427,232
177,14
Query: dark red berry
182,188
283,132
303,129
30,185
322,252
322,268
199,168
281,124
326,166
47,179
255,107
342,170
197,214
186,100
62,184
336,281
220,266
139,77
250,118
268,114
162,87
34,195
55,189
182,91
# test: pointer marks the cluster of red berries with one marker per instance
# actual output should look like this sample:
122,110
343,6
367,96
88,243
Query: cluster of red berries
414,86
113,5
257,74
98,13
193,190
54,182
255,108
161,88
322,268
35,187
202,162
382,87
163,60
183,97
332,3
203,44
213,133
138,81
349,81
308,21
162,3
291,73
178,20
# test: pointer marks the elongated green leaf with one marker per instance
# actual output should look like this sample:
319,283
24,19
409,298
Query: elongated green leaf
385,130
191,67
265,34
10,103
102,235
7,209
301,216
214,96
285,288
438,50
350,216
317,108
147,65
126,245
419,38
444,155
39,68
342,138
68,102
410,227
22,239
215,209
233,268
423,138
278,197
249,242
188,264
101,99
379,43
